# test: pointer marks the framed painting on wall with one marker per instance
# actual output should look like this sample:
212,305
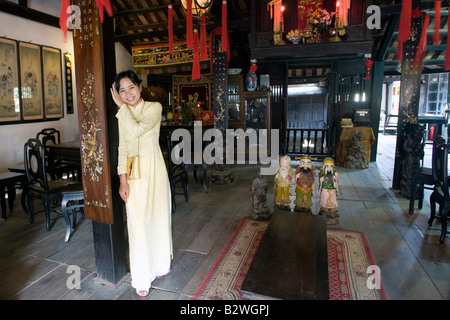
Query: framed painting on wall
31,81
52,76
9,81
187,91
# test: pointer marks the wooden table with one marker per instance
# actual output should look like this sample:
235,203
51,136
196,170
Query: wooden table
68,150
291,262
9,181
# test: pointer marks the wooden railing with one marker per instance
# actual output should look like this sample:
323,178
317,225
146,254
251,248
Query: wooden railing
302,141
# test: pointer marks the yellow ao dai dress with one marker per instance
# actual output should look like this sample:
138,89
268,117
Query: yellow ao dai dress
149,204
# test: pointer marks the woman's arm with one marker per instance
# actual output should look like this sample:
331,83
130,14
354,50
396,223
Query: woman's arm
151,117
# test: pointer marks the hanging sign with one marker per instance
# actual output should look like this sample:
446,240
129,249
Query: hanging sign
159,55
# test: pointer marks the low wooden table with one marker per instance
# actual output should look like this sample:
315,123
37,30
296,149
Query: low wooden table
292,261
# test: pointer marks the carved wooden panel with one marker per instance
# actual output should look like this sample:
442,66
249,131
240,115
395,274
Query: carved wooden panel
88,47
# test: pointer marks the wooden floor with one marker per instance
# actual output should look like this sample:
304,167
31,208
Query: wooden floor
34,263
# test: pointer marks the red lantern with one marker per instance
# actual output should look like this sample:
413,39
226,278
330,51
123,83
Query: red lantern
368,63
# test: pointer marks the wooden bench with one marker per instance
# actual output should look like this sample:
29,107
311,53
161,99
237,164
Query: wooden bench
291,262
9,182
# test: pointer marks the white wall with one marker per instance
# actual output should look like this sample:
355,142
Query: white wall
13,136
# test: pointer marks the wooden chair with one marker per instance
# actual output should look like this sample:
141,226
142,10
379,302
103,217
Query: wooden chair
178,173
40,187
422,177
60,167
440,194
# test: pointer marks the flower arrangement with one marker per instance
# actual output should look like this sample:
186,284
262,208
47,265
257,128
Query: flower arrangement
294,36
320,20
188,111
294,33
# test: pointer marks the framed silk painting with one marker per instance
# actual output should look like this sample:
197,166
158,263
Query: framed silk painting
9,81
52,77
31,81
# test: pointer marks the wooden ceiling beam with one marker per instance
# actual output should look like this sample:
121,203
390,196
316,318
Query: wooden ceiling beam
145,10
176,31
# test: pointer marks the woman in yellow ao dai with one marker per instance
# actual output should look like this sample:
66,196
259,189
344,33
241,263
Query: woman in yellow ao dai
147,199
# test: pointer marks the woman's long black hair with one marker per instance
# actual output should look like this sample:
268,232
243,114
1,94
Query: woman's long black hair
130,74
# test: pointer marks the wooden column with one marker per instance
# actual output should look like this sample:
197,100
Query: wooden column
95,68
222,173
409,97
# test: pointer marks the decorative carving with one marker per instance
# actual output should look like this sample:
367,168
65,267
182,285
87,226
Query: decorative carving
259,198
305,9
356,158
91,148
90,24
411,151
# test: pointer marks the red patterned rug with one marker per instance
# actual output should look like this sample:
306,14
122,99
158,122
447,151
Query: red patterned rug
349,257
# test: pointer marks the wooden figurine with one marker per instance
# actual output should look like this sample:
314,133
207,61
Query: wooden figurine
304,178
259,187
329,182
282,183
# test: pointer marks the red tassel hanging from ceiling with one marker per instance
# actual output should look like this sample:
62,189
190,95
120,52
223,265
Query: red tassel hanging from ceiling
189,24
404,31
108,8
170,20
100,9
203,48
422,45
224,27
64,16
447,54
104,4
437,22
196,63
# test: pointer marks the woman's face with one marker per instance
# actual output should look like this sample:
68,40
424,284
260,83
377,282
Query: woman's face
130,92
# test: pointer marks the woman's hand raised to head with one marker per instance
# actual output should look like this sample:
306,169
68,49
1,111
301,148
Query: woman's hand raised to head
115,95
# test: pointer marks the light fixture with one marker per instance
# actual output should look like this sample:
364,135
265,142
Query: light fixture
199,7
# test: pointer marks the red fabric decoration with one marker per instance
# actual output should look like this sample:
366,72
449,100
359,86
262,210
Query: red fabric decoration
196,63
64,16
216,31
447,54
224,27
189,30
170,20
368,64
422,45
203,48
404,31
104,4
437,22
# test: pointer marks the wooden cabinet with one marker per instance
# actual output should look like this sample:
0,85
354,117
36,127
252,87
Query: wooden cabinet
257,113
236,112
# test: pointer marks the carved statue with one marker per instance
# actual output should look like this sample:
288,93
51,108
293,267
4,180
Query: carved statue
356,158
304,186
259,190
329,182
282,183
